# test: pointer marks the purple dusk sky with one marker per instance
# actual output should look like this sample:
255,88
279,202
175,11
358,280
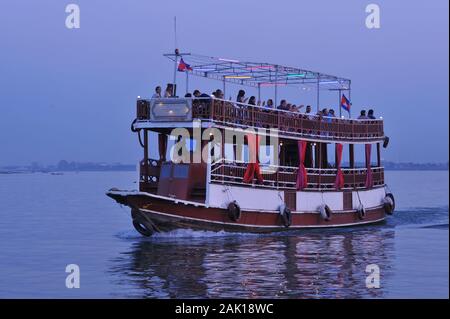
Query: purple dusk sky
70,93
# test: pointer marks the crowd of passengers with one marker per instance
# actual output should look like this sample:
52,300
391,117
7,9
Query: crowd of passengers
241,98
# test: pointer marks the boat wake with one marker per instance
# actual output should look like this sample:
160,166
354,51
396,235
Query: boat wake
421,216
182,233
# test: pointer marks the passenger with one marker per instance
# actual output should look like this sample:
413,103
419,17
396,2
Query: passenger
370,115
362,115
157,94
188,95
327,116
283,105
241,97
331,113
203,100
218,94
201,95
252,100
295,108
169,90
269,103
308,112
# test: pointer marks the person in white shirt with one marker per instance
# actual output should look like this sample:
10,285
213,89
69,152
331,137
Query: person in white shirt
157,93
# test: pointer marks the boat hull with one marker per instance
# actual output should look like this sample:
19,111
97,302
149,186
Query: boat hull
168,214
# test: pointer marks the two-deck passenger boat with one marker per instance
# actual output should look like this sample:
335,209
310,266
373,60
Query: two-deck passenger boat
304,189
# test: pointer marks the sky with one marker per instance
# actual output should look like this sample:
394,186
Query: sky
70,93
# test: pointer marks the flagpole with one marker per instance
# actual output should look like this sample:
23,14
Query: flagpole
339,104
350,99
175,73
187,82
176,59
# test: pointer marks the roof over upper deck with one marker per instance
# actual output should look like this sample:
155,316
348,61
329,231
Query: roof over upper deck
256,74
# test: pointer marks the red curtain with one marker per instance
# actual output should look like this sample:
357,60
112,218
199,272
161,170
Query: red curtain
369,179
162,146
302,175
339,183
253,169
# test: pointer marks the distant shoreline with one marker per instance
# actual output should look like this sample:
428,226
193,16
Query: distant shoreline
5,172
65,166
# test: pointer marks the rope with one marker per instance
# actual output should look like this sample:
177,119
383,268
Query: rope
140,141
359,199
228,193
281,199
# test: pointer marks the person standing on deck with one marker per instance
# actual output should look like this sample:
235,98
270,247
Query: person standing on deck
362,115
241,97
370,115
157,93
169,90
331,113
283,105
308,113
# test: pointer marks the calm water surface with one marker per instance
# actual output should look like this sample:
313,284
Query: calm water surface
50,221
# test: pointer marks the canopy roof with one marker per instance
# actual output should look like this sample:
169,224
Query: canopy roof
257,74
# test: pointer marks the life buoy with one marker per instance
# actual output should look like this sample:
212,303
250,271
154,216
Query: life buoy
234,211
286,215
143,227
325,212
142,224
361,212
389,203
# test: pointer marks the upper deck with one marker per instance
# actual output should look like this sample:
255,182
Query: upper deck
181,112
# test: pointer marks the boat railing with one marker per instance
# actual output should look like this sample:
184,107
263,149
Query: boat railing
235,114
284,177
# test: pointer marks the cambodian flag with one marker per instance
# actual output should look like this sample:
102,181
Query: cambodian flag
183,66
345,103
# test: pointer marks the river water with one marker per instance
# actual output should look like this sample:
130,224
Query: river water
49,221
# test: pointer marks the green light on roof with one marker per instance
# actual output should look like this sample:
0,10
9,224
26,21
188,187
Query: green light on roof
296,75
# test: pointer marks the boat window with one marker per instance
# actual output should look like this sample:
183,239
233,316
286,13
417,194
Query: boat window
180,171
165,171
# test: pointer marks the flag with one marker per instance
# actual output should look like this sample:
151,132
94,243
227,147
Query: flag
183,66
345,103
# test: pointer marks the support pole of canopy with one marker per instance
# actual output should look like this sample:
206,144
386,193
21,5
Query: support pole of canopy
187,82
224,87
318,93
259,91
339,103
276,87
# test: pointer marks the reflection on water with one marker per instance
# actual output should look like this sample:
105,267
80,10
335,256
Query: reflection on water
92,231
306,264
